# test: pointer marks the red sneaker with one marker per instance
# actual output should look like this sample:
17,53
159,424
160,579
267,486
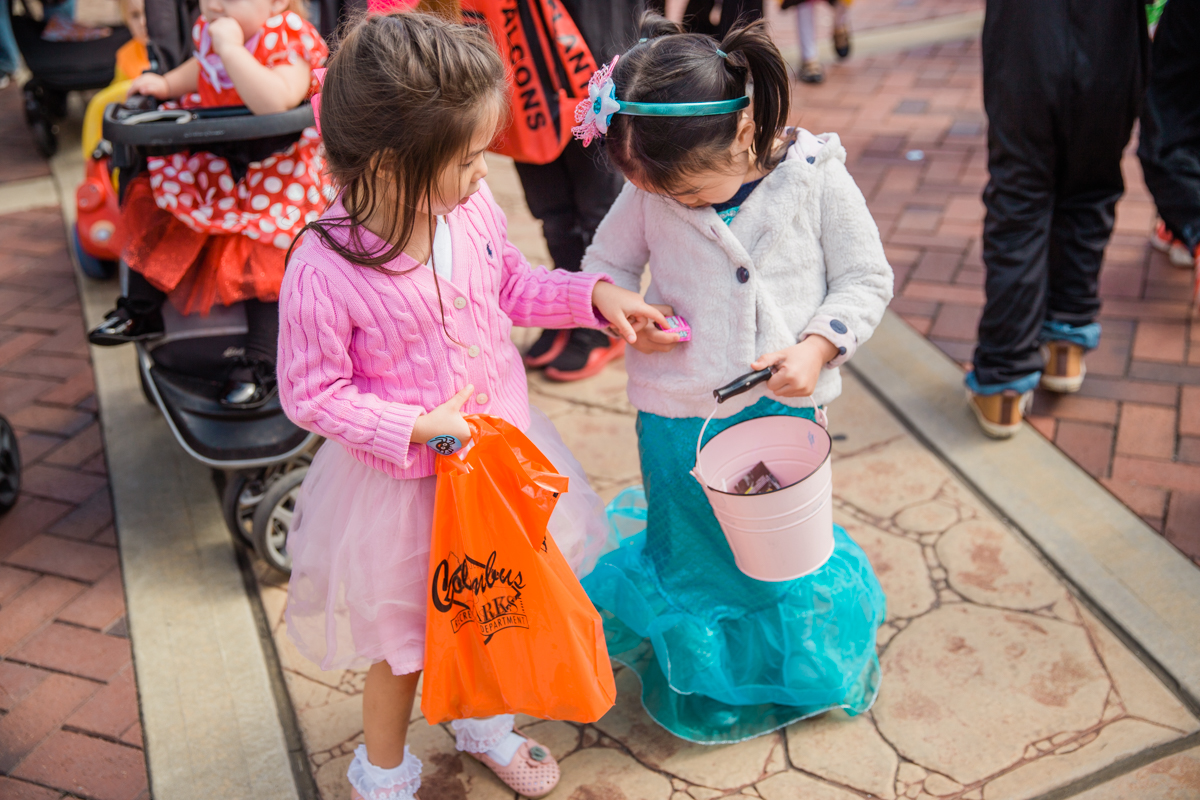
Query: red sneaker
586,354
1177,253
1196,283
1180,257
547,348
1162,238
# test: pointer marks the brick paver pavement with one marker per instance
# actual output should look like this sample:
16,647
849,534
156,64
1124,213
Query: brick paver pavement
866,15
914,128
68,700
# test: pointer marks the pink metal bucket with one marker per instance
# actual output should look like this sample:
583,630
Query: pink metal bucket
787,533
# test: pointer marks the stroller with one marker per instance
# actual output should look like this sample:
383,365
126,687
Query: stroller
259,457
10,467
58,68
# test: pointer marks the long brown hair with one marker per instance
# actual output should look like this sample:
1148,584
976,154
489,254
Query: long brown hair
403,97
669,66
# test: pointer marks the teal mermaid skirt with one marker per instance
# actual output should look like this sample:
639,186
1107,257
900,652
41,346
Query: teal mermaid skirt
723,657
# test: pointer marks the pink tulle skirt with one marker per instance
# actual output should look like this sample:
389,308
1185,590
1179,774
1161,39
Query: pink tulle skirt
360,554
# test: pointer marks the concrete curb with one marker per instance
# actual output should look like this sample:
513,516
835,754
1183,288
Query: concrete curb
1119,564
215,717
29,194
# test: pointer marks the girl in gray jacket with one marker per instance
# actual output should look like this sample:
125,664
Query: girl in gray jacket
759,238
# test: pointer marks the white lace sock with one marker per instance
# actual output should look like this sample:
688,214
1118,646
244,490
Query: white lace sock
492,736
377,783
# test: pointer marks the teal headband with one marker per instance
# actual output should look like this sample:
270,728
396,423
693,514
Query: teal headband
595,113
684,109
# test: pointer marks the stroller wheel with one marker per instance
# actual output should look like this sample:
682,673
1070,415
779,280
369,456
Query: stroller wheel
273,519
44,137
10,466
39,115
88,263
243,492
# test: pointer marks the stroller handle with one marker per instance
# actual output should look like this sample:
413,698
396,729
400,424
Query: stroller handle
189,127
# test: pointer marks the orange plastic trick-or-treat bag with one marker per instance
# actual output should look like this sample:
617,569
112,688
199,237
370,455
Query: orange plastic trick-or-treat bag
509,629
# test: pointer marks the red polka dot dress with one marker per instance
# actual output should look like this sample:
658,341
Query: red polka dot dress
202,236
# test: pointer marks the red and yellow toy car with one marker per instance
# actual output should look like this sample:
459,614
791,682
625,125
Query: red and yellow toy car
97,225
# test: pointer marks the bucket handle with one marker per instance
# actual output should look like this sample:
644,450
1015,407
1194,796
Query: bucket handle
738,386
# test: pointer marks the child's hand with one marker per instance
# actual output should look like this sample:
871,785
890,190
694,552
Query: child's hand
151,85
226,33
651,340
445,419
626,311
798,366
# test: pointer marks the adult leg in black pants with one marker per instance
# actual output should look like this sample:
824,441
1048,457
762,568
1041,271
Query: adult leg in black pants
1062,80
570,196
1169,146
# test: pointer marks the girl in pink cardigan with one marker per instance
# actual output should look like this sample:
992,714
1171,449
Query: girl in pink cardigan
395,315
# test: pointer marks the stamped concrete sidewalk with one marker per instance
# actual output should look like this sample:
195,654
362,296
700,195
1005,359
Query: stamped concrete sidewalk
998,682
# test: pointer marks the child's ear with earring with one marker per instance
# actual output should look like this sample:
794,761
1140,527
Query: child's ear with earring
743,140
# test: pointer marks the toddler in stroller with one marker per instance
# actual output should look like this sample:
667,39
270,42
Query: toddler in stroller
213,226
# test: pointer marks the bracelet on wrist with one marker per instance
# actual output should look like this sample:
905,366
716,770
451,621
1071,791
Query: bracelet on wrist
445,444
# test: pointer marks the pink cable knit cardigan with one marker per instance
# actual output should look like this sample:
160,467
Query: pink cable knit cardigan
363,354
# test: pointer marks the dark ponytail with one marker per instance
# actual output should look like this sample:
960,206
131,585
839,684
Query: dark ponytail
669,66
751,48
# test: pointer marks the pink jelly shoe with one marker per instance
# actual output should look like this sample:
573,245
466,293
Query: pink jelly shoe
533,772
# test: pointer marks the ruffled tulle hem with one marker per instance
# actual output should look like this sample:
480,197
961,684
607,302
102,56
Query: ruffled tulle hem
717,667
197,270
702,720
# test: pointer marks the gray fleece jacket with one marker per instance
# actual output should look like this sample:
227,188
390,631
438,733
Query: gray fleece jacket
809,249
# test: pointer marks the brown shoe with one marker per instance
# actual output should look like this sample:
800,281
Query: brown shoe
812,72
1000,414
841,42
1064,369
